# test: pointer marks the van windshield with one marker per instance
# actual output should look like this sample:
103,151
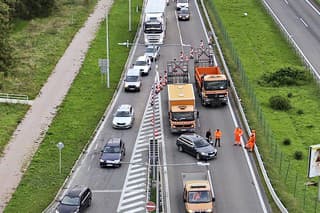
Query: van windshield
131,78
199,197
216,85
182,1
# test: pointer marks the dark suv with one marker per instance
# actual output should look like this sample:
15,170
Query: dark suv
75,200
197,146
113,152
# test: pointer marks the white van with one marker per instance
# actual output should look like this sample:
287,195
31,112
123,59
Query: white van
132,81
182,3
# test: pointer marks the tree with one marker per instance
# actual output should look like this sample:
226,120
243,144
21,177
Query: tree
28,9
6,59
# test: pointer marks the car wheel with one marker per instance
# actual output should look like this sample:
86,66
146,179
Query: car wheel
89,202
180,148
198,156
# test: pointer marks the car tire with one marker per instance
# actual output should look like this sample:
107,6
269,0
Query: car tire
180,148
89,202
198,156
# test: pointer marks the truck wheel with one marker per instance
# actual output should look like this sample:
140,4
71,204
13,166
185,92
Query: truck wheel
198,156
180,148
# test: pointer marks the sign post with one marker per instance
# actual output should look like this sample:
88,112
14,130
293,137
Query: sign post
314,164
60,146
151,206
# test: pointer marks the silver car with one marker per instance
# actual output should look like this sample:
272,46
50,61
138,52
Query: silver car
123,117
153,52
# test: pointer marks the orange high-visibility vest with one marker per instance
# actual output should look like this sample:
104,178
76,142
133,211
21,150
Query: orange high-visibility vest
218,134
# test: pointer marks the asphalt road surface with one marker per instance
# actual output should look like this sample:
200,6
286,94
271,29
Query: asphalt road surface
123,189
302,20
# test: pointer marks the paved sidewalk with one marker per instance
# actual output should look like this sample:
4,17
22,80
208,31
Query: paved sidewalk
30,132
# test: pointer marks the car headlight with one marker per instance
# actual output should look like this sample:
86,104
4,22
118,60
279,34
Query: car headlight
101,160
116,161
57,211
190,211
209,210
203,153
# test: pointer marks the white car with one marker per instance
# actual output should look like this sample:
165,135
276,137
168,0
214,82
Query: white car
143,64
153,52
123,118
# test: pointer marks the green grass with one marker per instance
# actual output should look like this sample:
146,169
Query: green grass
10,117
38,45
262,48
74,123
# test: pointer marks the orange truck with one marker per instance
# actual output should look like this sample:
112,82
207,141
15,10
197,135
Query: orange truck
198,194
181,110
212,85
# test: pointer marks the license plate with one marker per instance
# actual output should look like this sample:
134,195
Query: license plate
109,164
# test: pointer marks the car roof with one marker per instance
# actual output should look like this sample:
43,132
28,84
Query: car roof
76,191
191,136
142,58
124,107
133,71
113,142
152,46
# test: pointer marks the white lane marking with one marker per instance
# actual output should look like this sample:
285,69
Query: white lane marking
178,26
313,7
138,180
139,169
131,205
256,184
142,150
137,175
286,1
135,198
141,185
134,192
303,22
136,160
139,209
107,191
138,155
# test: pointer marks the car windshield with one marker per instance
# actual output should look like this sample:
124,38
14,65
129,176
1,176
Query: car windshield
184,11
199,197
151,49
200,143
122,114
215,85
131,78
183,116
153,28
141,63
111,149
71,201
182,1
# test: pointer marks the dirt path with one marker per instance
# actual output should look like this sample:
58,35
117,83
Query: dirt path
30,132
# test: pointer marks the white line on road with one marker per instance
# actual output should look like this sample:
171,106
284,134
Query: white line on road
107,190
303,22
311,5
286,1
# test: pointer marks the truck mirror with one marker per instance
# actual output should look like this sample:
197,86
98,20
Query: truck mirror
213,199
197,114
169,114
228,83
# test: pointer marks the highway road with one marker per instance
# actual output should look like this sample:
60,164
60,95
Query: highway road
237,188
302,20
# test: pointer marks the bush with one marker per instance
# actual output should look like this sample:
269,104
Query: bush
288,76
290,95
286,141
300,112
279,103
298,155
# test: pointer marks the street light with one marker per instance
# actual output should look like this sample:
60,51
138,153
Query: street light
60,146
129,15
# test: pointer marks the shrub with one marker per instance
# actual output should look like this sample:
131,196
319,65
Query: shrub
300,112
279,103
287,76
286,141
290,95
298,155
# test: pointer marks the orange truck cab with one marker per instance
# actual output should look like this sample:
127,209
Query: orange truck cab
181,108
198,192
212,85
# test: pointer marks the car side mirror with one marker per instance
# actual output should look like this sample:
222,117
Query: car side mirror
213,199
228,83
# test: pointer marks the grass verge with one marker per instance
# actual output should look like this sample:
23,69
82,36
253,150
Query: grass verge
74,123
262,49
38,45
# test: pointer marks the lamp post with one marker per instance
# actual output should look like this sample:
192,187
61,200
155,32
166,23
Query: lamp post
129,15
60,146
107,43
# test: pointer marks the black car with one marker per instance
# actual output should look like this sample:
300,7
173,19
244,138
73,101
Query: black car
75,200
197,146
183,13
113,152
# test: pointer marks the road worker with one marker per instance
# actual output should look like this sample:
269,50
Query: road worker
237,136
217,135
208,136
251,142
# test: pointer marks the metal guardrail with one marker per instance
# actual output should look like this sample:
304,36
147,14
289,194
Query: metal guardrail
275,197
14,96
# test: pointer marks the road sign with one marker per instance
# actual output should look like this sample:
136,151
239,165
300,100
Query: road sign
151,206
